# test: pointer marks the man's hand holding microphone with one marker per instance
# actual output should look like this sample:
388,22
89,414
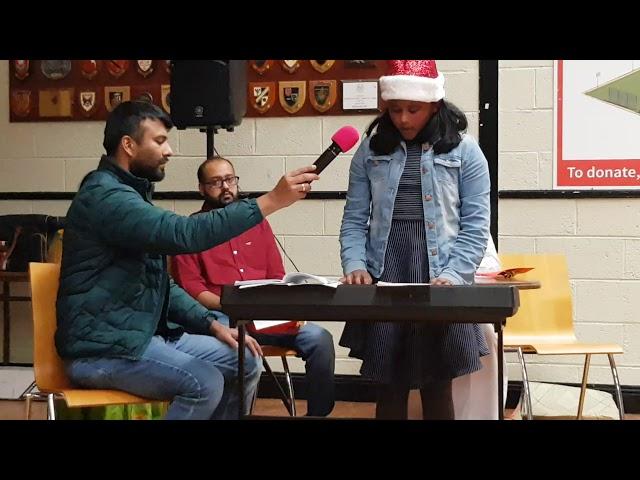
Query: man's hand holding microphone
296,184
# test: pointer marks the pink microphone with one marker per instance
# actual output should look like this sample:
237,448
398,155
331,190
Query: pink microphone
342,141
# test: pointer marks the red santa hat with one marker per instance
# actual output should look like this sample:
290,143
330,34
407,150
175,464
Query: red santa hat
416,80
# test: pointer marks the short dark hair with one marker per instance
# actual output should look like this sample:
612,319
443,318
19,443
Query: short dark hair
125,119
204,164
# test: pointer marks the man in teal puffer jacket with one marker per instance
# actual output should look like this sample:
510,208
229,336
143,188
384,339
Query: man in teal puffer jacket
122,322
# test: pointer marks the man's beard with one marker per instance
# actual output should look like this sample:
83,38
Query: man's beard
153,174
218,202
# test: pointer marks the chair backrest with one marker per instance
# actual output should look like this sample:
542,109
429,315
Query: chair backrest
545,314
47,365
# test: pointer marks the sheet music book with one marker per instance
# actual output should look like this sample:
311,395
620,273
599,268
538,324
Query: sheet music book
290,279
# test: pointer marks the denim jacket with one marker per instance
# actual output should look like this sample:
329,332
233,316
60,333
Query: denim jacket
455,197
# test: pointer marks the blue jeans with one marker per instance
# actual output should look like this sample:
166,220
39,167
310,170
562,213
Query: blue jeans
198,371
315,345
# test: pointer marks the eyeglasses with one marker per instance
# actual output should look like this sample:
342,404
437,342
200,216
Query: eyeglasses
217,182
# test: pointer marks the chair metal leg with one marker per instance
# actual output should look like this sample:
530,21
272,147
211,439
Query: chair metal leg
283,395
27,406
616,382
583,388
51,407
253,400
32,397
526,390
27,395
292,398
29,389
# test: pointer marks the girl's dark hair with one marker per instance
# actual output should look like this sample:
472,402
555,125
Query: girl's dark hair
443,131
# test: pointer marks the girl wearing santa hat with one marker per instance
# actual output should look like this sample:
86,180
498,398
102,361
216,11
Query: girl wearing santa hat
417,211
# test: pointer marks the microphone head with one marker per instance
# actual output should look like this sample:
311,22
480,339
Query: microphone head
346,137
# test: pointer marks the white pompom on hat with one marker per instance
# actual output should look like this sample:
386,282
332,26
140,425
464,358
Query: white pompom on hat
416,80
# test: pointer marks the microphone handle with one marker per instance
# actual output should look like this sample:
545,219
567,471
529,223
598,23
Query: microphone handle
326,157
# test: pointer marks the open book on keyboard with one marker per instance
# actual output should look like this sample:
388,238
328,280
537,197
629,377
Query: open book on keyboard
293,278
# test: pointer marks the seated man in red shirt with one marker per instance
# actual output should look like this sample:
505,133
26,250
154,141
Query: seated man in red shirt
253,255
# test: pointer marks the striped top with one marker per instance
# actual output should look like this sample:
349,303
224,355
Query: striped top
408,204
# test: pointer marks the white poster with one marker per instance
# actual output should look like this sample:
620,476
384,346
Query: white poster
597,124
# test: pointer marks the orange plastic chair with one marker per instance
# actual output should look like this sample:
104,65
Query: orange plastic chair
543,324
51,380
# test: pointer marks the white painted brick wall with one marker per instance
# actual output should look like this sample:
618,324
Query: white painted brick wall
301,218
180,174
319,254
632,259
463,88
597,258
282,135
544,88
75,169
606,301
600,217
15,207
192,142
517,89
532,217
333,210
526,131
545,173
504,64
51,207
32,175
518,171
18,140
68,139
507,244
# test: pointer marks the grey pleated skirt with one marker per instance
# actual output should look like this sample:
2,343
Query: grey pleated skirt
413,354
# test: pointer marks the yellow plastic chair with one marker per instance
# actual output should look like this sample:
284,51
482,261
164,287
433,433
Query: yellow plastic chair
51,380
543,324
